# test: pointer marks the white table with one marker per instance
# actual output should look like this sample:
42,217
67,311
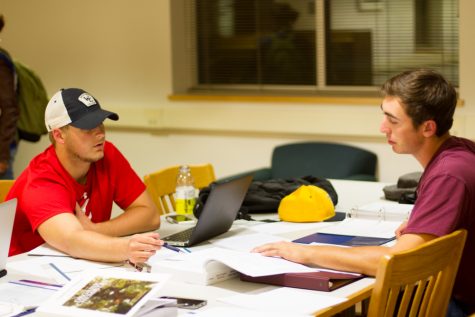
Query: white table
350,193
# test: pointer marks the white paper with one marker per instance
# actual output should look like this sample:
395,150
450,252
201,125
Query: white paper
23,295
285,227
162,254
41,266
46,250
9,309
245,242
252,264
363,228
284,300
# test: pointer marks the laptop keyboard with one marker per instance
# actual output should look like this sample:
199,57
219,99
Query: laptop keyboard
182,236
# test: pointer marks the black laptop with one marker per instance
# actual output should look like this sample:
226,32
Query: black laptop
219,212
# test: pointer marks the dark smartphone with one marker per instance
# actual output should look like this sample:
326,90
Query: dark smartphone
187,303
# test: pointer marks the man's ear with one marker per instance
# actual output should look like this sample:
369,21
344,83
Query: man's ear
429,128
58,135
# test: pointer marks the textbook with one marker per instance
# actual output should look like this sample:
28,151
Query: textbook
195,272
213,265
101,293
319,281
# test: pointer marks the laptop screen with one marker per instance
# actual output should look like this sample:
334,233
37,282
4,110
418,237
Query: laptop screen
219,211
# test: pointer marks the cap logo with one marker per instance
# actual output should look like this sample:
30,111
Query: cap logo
87,100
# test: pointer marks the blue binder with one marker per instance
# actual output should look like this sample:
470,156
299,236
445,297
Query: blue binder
342,239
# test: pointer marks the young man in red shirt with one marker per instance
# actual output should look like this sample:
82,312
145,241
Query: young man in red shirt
66,193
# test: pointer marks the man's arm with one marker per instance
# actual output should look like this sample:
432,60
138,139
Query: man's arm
65,233
363,260
141,216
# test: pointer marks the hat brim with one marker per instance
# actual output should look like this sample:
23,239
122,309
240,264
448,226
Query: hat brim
94,119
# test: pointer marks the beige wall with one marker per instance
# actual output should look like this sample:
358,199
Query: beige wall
120,52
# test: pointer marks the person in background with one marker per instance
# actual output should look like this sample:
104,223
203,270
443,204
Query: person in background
418,108
9,112
65,195
282,51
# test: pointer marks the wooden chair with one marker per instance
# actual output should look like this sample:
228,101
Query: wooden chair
5,186
161,184
418,282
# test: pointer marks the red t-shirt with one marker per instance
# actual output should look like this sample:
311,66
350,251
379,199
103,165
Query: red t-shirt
46,189
446,202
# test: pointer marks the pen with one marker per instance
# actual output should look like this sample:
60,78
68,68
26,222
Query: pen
170,247
26,312
40,283
52,287
59,271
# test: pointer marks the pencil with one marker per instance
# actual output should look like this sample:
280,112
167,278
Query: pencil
59,271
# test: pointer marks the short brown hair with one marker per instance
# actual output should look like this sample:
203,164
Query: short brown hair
425,95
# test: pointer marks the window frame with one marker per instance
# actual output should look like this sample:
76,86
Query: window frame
185,68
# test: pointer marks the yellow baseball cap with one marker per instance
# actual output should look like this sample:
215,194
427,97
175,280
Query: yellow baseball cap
308,203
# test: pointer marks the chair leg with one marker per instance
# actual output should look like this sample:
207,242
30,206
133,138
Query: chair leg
363,309
349,312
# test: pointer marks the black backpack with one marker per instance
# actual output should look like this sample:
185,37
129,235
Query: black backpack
265,196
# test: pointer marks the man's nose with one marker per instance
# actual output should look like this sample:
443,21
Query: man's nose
383,128
99,130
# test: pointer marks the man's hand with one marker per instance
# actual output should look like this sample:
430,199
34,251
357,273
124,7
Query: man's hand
290,251
142,246
400,229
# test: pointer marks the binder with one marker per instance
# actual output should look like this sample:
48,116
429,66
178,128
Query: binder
345,240
382,211
318,281
371,224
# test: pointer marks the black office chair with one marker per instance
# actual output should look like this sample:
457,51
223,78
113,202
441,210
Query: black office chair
320,159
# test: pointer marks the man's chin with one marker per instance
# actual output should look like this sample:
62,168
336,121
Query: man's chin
396,149
94,158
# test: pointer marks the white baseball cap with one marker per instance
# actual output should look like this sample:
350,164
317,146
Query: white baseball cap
76,107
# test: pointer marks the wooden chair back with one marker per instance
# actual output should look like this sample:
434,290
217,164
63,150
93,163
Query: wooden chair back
161,184
418,282
5,185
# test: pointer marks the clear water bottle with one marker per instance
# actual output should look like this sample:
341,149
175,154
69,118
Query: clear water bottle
185,193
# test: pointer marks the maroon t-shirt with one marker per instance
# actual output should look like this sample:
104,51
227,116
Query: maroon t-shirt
446,202
46,189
